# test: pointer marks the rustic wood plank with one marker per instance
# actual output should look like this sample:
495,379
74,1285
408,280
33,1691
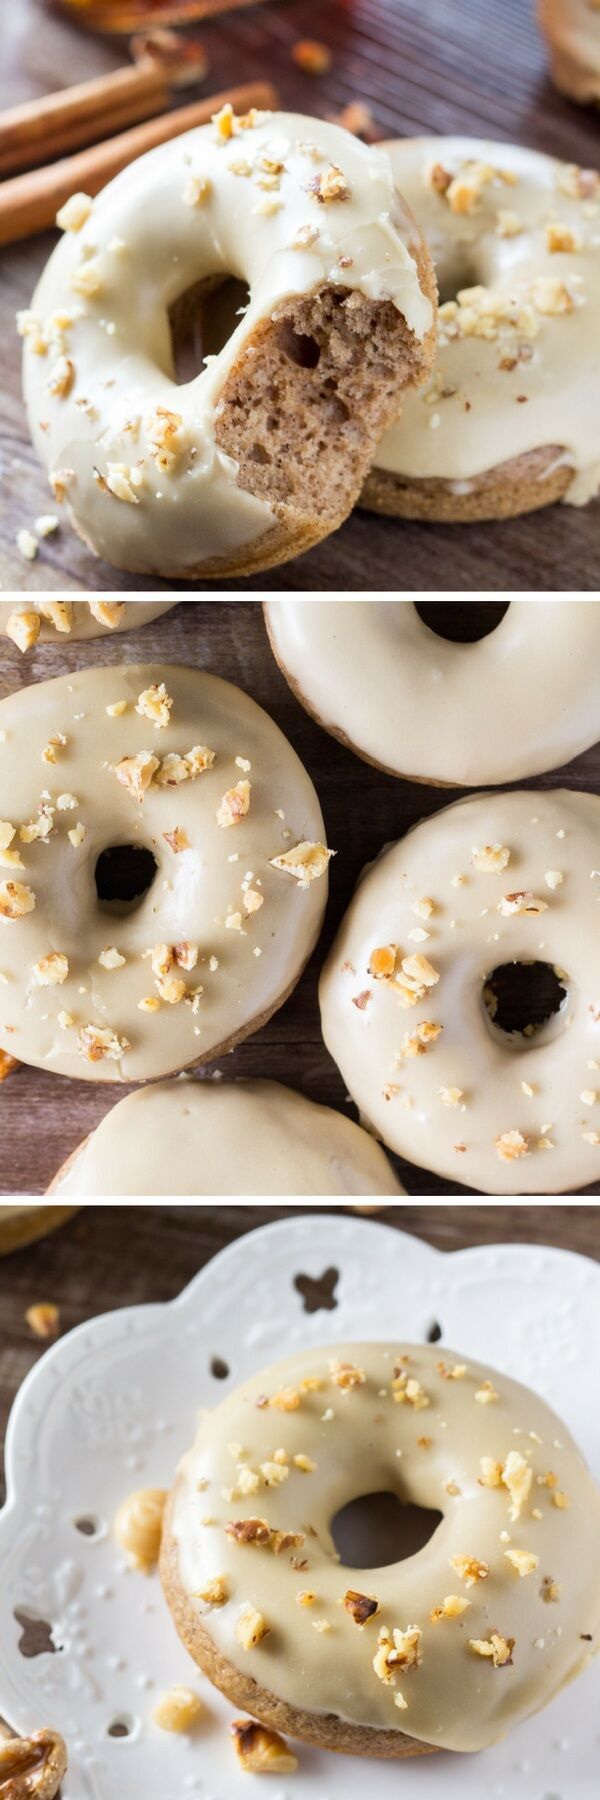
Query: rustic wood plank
479,68
45,1116
124,1256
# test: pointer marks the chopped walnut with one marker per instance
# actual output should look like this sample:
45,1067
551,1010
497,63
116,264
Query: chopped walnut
470,1569
382,962
330,186
135,773
58,613
249,1531
486,1395
408,1391
311,57
164,430
552,296
417,1042
286,1400
61,377
51,970
491,858
261,1751
402,1650
107,612
155,704
234,805
491,1472
32,1768
550,1591
521,902
456,1373
75,212
24,629
361,1607
216,1593
16,900
517,1477
304,1463
196,191
560,237
499,1649
177,840
178,1710
174,768
251,1628
346,1376
97,1042
524,1561
510,1145
43,1319
306,862
451,1608
138,1526
8,1064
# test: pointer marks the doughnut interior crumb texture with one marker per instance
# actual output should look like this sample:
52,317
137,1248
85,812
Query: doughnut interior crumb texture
304,408
325,1730
521,485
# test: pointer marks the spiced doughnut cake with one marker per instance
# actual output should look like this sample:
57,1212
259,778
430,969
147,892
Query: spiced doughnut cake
572,32
264,451
375,676
234,1137
441,1650
509,420
163,874
407,993
26,620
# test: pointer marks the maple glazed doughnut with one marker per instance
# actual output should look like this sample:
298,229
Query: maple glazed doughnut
407,1013
375,675
442,1650
510,419
27,620
572,32
234,1137
265,450
162,871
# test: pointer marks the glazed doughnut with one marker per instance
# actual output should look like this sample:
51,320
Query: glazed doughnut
242,1137
572,32
264,452
495,880
26,621
509,420
439,1651
379,679
162,871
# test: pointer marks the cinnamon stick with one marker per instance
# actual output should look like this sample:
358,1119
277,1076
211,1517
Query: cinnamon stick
29,203
76,114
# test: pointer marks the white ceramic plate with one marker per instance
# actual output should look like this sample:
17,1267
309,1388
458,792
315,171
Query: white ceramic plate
112,1406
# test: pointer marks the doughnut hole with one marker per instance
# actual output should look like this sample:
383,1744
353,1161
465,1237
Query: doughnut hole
462,621
522,999
124,874
202,321
376,1530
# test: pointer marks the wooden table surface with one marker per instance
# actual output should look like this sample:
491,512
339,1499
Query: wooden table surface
125,1256
45,1116
423,66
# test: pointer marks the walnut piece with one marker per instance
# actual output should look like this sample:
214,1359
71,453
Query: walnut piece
261,1751
306,862
178,1710
43,1319
138,1526
361,1607
499,1649
250,1628
32,1768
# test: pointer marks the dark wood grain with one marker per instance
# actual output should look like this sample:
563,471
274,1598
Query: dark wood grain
423,66
45,1116
124,1256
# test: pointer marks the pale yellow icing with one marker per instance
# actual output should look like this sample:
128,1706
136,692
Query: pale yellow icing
372,671
66,620
518,362
507,1115
203,205
436,1431
572,28
243,1137
235,929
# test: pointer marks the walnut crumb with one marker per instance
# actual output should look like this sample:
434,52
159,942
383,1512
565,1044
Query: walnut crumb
43,1319
499,1649
261,1751
361,1607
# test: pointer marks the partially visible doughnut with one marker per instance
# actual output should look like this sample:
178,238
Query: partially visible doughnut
511,878
572,32
458,714
510,419
265,450
439,1650
234,1137
27,619
197,924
